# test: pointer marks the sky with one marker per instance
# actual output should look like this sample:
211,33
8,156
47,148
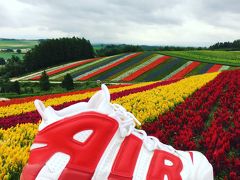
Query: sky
149,22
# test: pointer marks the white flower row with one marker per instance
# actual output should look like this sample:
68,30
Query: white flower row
98,68
177,70
78,68
224,67
48,70
30,76
136,68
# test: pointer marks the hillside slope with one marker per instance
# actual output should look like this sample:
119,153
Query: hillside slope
131,67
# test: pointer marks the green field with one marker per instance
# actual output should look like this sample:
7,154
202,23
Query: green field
231,58
17,44
7,55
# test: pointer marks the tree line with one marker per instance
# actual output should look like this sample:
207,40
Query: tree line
47,53
57,51
110,50
233,46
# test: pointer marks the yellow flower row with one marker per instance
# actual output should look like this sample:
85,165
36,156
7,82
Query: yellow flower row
15,143
16,109
146,106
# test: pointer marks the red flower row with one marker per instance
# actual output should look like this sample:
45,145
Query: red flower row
186,70
146,68
49,73
50,96
33,117
214,68
108,67
209,122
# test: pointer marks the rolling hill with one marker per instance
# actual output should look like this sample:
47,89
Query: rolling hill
132,67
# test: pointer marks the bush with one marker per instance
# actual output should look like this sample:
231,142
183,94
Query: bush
19,51
2,61
16,87
7,86
44,82
67,82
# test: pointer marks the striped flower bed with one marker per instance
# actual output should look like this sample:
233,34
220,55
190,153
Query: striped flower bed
146,58
97,66
76,69
51,96
205,68
223,68
207,121
161,70
177,70
97,71
106,75
31,116
136,68
52,100
146,102
146,68
64,68
215,68
186,70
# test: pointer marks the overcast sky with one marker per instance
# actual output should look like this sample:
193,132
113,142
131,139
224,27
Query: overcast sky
151,22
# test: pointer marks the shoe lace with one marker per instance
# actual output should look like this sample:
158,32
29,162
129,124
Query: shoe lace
127,126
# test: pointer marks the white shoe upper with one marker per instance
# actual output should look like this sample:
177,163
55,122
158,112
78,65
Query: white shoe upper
197,168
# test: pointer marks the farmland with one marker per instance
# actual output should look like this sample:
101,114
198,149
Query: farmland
231,58
13,45
188,104
7,55
210,124
130,67
17,44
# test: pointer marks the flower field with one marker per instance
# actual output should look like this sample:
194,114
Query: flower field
64,68
200,112
130,67
208,121
146,68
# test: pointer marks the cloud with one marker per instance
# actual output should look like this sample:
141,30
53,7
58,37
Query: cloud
158,22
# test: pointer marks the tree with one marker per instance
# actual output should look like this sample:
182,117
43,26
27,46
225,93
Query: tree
44,82
67,82
2,61
16,87
235,45
19,51
13,67
117,49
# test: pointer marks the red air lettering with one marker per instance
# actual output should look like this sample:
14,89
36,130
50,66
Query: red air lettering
158,169
59,138
126,159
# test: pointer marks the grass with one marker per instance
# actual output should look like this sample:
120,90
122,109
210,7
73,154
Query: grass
7,55
98,46
17,44
33,89
231,58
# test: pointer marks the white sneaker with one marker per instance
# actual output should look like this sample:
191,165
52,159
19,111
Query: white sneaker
98,140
